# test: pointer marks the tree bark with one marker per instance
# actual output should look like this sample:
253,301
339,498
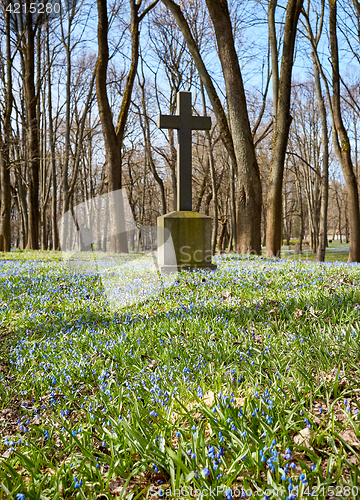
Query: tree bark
325,167
281,132
145,125
33,136
212,174
114,138
54,228
343,144
248,176
221,118
5,193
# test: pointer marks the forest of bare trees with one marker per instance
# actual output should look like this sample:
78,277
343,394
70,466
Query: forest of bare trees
80,92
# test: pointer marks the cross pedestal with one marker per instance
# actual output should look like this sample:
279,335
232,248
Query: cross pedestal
190,231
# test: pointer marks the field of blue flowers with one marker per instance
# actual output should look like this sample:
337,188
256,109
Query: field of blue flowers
243,382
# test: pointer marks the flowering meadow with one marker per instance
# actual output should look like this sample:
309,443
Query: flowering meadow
242,382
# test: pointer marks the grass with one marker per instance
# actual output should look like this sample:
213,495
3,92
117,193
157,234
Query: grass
223,384
335,252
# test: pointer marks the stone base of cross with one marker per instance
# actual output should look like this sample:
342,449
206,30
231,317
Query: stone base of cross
190,245
190,231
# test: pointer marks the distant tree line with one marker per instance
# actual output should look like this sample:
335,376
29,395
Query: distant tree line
80,92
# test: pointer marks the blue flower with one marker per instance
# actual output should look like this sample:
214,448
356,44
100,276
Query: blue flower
205,472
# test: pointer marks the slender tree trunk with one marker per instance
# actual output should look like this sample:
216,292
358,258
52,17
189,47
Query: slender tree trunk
112,146
213,176
221,118
203,186
346,228
343,146
5,187
54,228
340,223
233,171
222,237
173,168
281,130
325,168
33,136
356,144
274,57
301,210
146,132
114,138
65,169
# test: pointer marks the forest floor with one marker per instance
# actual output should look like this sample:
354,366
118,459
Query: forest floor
240,382
336,252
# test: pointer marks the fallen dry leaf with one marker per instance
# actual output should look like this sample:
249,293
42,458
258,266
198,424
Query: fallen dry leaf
239,401
209,398
349,436
314,312
116,486
303,438
152,365
298,312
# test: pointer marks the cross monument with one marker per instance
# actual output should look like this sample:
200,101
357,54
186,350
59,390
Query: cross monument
184,122
184,236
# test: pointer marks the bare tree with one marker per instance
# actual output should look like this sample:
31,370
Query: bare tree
5,186
31,102
248,176
342,143
282,119
145,126
114,137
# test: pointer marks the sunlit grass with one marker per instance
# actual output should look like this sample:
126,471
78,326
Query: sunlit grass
205,385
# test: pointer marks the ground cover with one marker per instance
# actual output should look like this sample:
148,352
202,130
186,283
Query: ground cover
244,381
335,252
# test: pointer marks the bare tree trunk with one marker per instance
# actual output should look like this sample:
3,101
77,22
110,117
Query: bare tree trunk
172,165
112,146
248,175
213,175
33,136
54,228
343,148
281,128
222,237
274,57
203,186
65,169
5,193
325,168
114,138
221,118
346,227
146,132
301,210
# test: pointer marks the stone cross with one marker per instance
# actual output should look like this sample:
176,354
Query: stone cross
184,122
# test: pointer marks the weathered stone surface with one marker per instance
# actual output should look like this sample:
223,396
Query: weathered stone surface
191,239
184,122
